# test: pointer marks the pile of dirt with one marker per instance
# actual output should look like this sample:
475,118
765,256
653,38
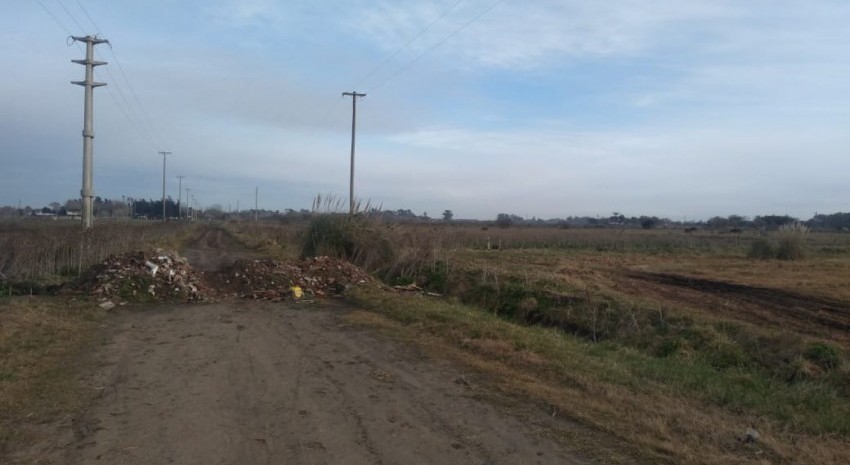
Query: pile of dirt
156,275
274,280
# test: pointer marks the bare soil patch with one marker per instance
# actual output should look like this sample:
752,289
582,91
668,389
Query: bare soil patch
214,248
807,314
254,383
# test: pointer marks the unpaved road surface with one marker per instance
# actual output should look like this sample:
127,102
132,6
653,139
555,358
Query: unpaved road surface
255,383
213,249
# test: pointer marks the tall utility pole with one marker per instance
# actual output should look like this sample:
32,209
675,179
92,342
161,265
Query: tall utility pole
163,153
188,205
354,95
180,197
87,191
256,203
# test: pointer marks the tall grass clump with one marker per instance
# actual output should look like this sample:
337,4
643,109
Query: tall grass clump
789,244
358,239
792,244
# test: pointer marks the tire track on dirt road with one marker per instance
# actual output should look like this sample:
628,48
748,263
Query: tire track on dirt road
268,383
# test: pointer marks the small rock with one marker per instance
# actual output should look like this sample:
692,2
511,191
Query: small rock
751,436
108,305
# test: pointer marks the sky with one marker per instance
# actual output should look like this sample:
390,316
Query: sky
546,108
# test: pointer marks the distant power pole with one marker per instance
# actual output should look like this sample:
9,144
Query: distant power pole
354,95
188,205
163,153
180,197
256,203
87,191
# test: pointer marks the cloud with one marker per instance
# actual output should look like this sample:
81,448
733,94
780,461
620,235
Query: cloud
525,35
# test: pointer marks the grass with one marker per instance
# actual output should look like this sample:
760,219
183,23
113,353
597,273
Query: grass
674,409
55,252
39,340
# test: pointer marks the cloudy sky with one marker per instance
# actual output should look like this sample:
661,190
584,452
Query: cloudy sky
544,108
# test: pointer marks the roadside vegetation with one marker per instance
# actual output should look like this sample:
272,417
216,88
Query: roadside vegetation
40,339
678,343
38,254
673,344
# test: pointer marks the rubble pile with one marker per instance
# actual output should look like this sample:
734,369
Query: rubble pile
274,280
144,275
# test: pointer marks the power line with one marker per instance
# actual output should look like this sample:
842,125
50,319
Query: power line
433,47
407,44
85,12
144,113
139,119
129,118
82,29
52,16
127,108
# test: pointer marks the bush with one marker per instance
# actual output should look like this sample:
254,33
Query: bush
823,355
762,249
791,247
358,239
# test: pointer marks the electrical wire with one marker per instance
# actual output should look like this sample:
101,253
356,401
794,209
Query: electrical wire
86,12
54,18
406,44
127,108
136,115
432,48
146,118
71,16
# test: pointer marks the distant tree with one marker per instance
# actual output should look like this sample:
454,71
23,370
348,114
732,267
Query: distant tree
832,221
504,220
647,222
448,215
773,221
73,204
617,218
54,206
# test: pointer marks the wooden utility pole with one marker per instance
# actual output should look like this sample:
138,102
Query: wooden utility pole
354,95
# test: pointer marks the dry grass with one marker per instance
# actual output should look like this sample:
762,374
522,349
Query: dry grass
39,339
52,251
611,390
277,241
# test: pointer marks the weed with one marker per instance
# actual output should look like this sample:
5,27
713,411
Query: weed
823,355
358,239
791,247
762,249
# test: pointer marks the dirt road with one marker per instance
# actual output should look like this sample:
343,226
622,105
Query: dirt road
253,383
213,249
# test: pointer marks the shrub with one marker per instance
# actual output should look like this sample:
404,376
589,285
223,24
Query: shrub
823,355
791,247
358,239
762,249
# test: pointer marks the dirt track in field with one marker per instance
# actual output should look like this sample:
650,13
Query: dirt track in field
276,383
816,316
236,383
213,249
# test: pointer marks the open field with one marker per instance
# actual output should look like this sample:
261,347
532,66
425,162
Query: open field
675,342
647,346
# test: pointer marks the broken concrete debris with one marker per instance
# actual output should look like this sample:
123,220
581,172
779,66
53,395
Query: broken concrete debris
166,276
274,280
144,275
